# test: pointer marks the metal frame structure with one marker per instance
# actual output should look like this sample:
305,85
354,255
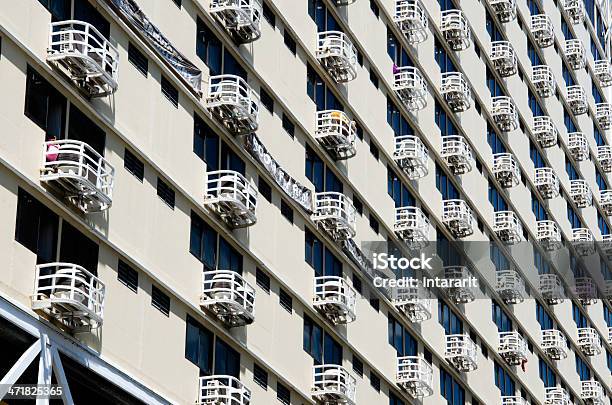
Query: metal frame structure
336,132
592,393
412,156
604,157
412,226
232,197
549,235
556,396
512,348
414,302
332,384
508,227
576,98
411,18
510,286
554,344
456,91
233,103
229,296
457,154
240,18
545,131
455,29
551,288
504,9
578,146
542,29
458,218
222,390
575,53
459,295
415,375
335,298
337,55
546,182
506,170
335,213
504,113
410,87
543,79
589,341
461,352
504,58
581,194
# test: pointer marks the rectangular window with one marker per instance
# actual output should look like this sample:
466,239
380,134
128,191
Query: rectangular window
373,78
374,150
289,42
283,394
205,143
504,381
262,280
375,9
357,204
450,389
199,346
177,2
375,381
260,376
374,223
264,189
313,252
266,100
127,276
59,9
288,125
203,242
357,284
547,375
133,165
170,91
450,321
269,14
208,48
501,319
165,192
314,169
286,211
160,301
37,227
45,105
285,300
357,366
313,340
138,59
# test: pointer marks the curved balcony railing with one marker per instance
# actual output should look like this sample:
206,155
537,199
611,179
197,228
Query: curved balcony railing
513,400
510,286
546,182
70,294
410,87
232,101
578,146
84,175
241,18
229,296
335,213
508,227
605,201
503,58
411,225
415,375
414,302
223,389
461,352
604,157
86,56
506,170
458,218
589,341
576,98
575,10
591,392
504,113
548,235
411,155
337,55
586,289
335,298
456,91
543,79
603,71
575,53
336,133
583,241
457,154
556,396
504,9
551,288
333,384
542,30
411,18
603,114
580,192
232,196
459,294
545,131
554,344
512,348
455,29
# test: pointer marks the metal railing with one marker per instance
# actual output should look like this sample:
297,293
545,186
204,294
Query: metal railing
580,192
506,170
333,384
410,87
548,235
241,18
335,213
589,341
508,227
411,225
576,98
411,18
232,196
543,79
586,290
551,288
414,302
578,146
458,217
411,155
459,294
554,344
337,55
513,400
512,348
603,114
556,396
575,53
545,131
592,393
546,182
575,10
510,286
415,375
461,352
456,91
504,113
335,298
603,71
232,101
503,58
455,29
604,157
223,390
542,30
504,9
457,154
336,132
605,201
229,296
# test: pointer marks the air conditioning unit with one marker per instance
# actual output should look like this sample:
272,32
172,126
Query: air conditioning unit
333,384
554,344
549,235
335,298
455,29
232,197
506,170
336,133
410,87
545,131
415,375
411,18
337,55
233,103
457,154
576,98
503,58
504,113
575,53
581,193
542,29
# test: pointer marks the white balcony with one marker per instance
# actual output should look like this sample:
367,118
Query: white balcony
458,218
580,192
513,400
604,157
85,55
84,176
412,156
583,241
415,375
545,131
335,213
554,344
605,201
575,54
456,91
512,348
575,10
457,154
232,197
556,396
576,98
503,58
551,289
335,298
337,55
240,18
578,146
412,226
333,385
229,296
549,235
603,71
456,30
592,393
547,182
223,390
588,341
69,294
506,170
603,114
459,295
508,227
504,9
543,79
414,302
232,101
410,87
510,286
461,352
411,18
586,289
542,29
504,113
336,132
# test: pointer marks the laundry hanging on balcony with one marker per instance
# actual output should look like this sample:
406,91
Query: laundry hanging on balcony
135,17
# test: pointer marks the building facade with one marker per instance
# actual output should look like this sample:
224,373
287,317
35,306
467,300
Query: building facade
188,189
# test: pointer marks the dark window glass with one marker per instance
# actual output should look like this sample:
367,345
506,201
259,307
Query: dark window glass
264,189
85,11
262,280
209,48
203,242
165,193
36,227
268,14
288,125
357,204
138,59
313,340
283,394
260,376
78,249
285,300
82,128
227,360
266,99
160,301
205,143
199,346
375,381
357,366
374,223
44,105
133,165
177,2
60,9
169,91
290,42
286,211
229,258
127,275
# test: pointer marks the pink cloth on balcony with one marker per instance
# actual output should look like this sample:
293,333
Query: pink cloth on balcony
52,152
